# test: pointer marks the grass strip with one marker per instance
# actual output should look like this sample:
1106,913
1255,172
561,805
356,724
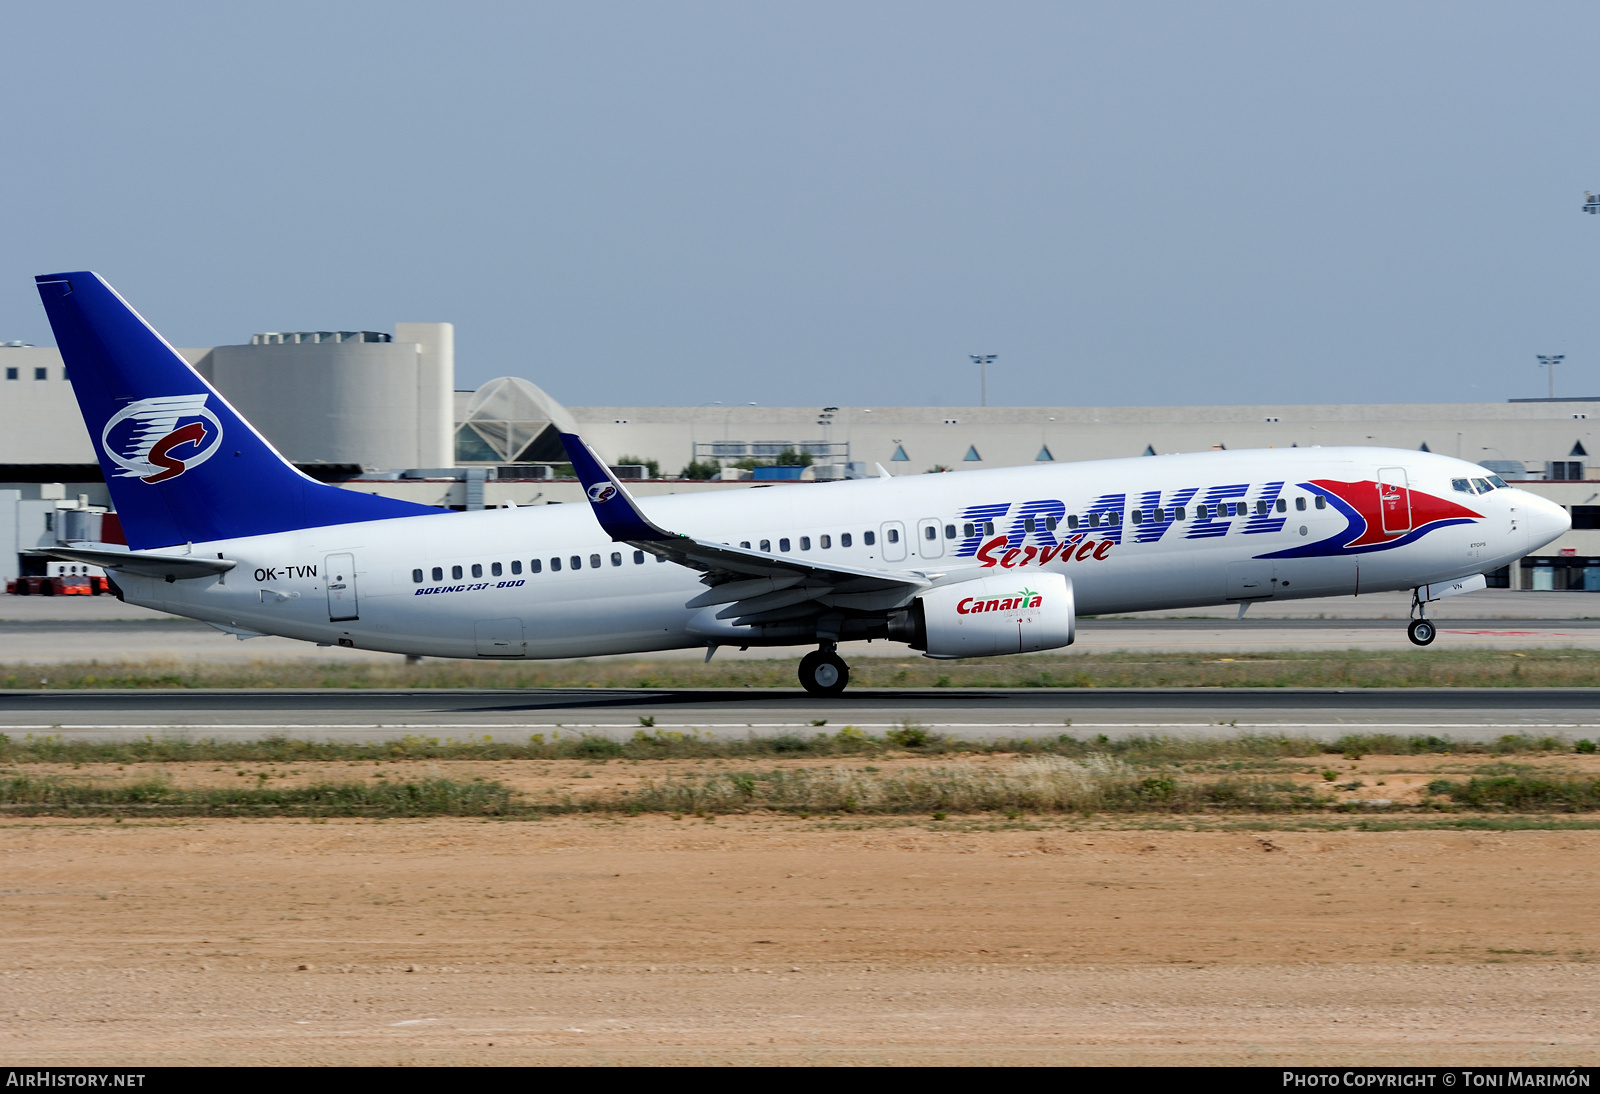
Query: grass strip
1522,793
1038,785
32,796
655,744
1381,668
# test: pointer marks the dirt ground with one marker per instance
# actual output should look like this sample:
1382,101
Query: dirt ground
766,939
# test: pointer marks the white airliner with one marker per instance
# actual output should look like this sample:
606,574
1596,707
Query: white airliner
221,528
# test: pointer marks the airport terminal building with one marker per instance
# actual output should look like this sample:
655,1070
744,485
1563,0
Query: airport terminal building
379,412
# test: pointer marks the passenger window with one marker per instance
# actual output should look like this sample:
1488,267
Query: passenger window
1322,502
576,562
477,569
894,535
844,539
1138,516
1300,504
825,541
555,564
1179,514
1113,519
783,546
1282,505
1072,521
931,532
1261,508
869,538
988,527
968,530
616,558
1027,524
534,566
416,576
949,531
766,545
494,569
638,558
1050,524
1094,520
805,543
594,562
516,566
745,544
455,573
438,573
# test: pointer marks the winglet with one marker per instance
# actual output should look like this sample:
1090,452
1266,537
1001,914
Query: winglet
613,506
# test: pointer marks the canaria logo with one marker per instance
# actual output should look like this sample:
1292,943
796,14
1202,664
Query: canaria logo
159,439
602,492
1021,600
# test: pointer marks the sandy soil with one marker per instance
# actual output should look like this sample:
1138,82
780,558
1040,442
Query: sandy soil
765,939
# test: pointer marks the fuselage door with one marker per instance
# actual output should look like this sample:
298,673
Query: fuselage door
341,575
894,540
929,545
1394,499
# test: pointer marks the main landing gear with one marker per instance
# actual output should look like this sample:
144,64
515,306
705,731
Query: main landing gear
823,672
1421,631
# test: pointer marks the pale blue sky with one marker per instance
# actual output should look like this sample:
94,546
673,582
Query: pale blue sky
835,202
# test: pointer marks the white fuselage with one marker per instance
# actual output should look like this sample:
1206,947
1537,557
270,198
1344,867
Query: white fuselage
618,600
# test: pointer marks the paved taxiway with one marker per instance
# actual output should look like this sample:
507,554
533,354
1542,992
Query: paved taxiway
1464,713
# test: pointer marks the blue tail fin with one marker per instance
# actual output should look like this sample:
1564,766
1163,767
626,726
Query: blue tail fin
182,465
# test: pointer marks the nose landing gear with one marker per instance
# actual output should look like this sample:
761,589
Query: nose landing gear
1421,631
823,672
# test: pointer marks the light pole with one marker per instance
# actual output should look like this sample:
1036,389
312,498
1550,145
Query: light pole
694,447
983,361
1550,362
825,420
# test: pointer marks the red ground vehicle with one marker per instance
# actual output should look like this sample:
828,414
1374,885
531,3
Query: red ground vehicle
62,579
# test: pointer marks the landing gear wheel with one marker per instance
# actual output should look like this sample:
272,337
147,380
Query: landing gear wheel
823,673
1421,631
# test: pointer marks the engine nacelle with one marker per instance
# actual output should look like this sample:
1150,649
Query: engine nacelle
990,616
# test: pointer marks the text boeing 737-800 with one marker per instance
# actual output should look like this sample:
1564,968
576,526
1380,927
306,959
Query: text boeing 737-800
222,529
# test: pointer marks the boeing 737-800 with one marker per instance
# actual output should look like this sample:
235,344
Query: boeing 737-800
222,529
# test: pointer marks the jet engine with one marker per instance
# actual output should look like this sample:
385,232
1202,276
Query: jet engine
989,616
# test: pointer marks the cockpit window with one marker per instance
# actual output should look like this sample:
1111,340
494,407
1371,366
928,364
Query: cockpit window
1462,485
1498,482
1482,485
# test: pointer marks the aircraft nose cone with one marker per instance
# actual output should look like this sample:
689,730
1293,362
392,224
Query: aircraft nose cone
1547,521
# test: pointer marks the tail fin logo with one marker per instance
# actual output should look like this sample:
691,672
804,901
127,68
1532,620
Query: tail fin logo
159,439
602,492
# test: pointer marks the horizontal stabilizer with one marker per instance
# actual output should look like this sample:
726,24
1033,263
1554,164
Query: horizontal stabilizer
145,563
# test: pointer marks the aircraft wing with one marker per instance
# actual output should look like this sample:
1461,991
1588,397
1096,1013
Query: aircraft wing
758,587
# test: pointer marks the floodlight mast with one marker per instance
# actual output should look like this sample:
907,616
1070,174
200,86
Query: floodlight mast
983,361
1549,362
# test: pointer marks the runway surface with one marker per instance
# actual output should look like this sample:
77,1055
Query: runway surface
56,630
978,714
